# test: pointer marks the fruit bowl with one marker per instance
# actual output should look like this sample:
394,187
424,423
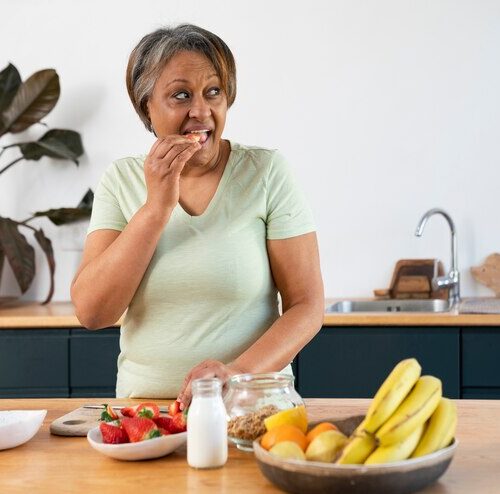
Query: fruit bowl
19,426
402,477
143,450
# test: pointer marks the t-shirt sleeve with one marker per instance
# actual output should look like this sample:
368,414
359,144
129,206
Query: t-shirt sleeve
106,211
288,213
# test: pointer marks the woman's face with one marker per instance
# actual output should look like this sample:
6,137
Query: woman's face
187,98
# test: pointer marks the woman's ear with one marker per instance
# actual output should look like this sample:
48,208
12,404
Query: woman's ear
149,118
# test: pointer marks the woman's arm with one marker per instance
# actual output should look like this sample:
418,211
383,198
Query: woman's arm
114,262
296,271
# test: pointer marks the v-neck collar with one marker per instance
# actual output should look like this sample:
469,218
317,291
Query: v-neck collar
216,197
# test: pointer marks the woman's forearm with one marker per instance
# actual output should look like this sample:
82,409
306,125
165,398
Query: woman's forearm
277,347
104,287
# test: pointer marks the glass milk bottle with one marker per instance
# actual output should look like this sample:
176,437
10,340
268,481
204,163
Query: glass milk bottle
206,425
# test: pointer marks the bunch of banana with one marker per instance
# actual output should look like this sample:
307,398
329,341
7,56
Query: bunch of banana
407,417
440,429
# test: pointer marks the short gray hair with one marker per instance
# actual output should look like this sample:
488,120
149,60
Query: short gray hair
156,49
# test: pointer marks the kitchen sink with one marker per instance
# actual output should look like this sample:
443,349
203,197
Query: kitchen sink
411,305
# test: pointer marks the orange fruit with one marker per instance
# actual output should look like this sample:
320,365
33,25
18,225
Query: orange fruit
324,426
285,432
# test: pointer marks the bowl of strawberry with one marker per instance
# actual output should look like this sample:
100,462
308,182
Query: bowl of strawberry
139,432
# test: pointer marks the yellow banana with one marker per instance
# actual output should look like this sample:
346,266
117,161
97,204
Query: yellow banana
440,429
357,450
391,393
396,452
416,408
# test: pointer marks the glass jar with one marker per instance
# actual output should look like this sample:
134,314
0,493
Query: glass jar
251,398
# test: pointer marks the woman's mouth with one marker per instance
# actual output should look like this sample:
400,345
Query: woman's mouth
200,136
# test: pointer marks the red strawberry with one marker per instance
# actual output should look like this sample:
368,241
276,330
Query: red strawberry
129,411
179,423
163,432
108,415
140,429
174,408
148,410
112,433
164,423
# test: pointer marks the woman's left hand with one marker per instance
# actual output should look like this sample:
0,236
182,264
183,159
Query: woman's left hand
205,370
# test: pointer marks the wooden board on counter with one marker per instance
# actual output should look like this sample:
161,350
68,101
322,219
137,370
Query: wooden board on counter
79,421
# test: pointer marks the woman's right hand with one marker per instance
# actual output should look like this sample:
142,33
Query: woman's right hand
162,170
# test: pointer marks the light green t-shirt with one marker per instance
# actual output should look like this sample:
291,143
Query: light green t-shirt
208,292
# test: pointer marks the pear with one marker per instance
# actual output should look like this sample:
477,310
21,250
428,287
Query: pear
288,450
325,446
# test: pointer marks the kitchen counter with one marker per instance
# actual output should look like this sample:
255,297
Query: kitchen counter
49,463
62,315
32,315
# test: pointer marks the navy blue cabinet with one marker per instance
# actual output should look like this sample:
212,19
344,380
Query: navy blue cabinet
92,364
58,363
344,362
481,363
34,363
352,362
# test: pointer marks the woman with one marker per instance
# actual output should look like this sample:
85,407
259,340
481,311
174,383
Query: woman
197,237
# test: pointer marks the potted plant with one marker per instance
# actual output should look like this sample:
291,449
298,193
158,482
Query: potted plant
23,104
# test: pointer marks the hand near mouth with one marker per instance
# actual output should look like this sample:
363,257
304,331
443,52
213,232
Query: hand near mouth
162,170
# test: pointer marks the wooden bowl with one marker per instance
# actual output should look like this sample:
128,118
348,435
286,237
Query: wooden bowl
402,477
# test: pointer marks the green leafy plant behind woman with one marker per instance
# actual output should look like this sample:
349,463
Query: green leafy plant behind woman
23,104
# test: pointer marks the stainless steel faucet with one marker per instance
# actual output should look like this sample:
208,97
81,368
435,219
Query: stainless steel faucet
452,279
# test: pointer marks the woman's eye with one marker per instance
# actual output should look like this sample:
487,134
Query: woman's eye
181,95
215,91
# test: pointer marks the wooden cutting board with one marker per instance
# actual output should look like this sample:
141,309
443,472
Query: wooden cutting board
489,273
80,421
76,423
412,278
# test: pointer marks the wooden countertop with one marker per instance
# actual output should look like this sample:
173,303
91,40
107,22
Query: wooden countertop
61,315
19,315
49,463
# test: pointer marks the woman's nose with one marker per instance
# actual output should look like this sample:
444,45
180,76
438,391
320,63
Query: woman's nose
200,109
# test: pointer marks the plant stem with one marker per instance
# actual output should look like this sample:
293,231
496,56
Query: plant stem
5,168
22,223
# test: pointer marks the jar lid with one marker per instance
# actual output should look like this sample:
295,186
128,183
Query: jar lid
268,380
208,384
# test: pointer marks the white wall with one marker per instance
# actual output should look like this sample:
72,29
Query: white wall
385,109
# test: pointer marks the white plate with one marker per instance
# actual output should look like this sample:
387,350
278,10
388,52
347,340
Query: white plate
19,426
144,450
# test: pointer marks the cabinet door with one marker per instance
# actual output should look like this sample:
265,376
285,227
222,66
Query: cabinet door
481,393
480,357
34,363
93,358
352,362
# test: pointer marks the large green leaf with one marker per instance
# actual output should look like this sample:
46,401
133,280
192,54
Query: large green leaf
62,216
46,246
87,201
34,99
56,143
10,80
19,253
